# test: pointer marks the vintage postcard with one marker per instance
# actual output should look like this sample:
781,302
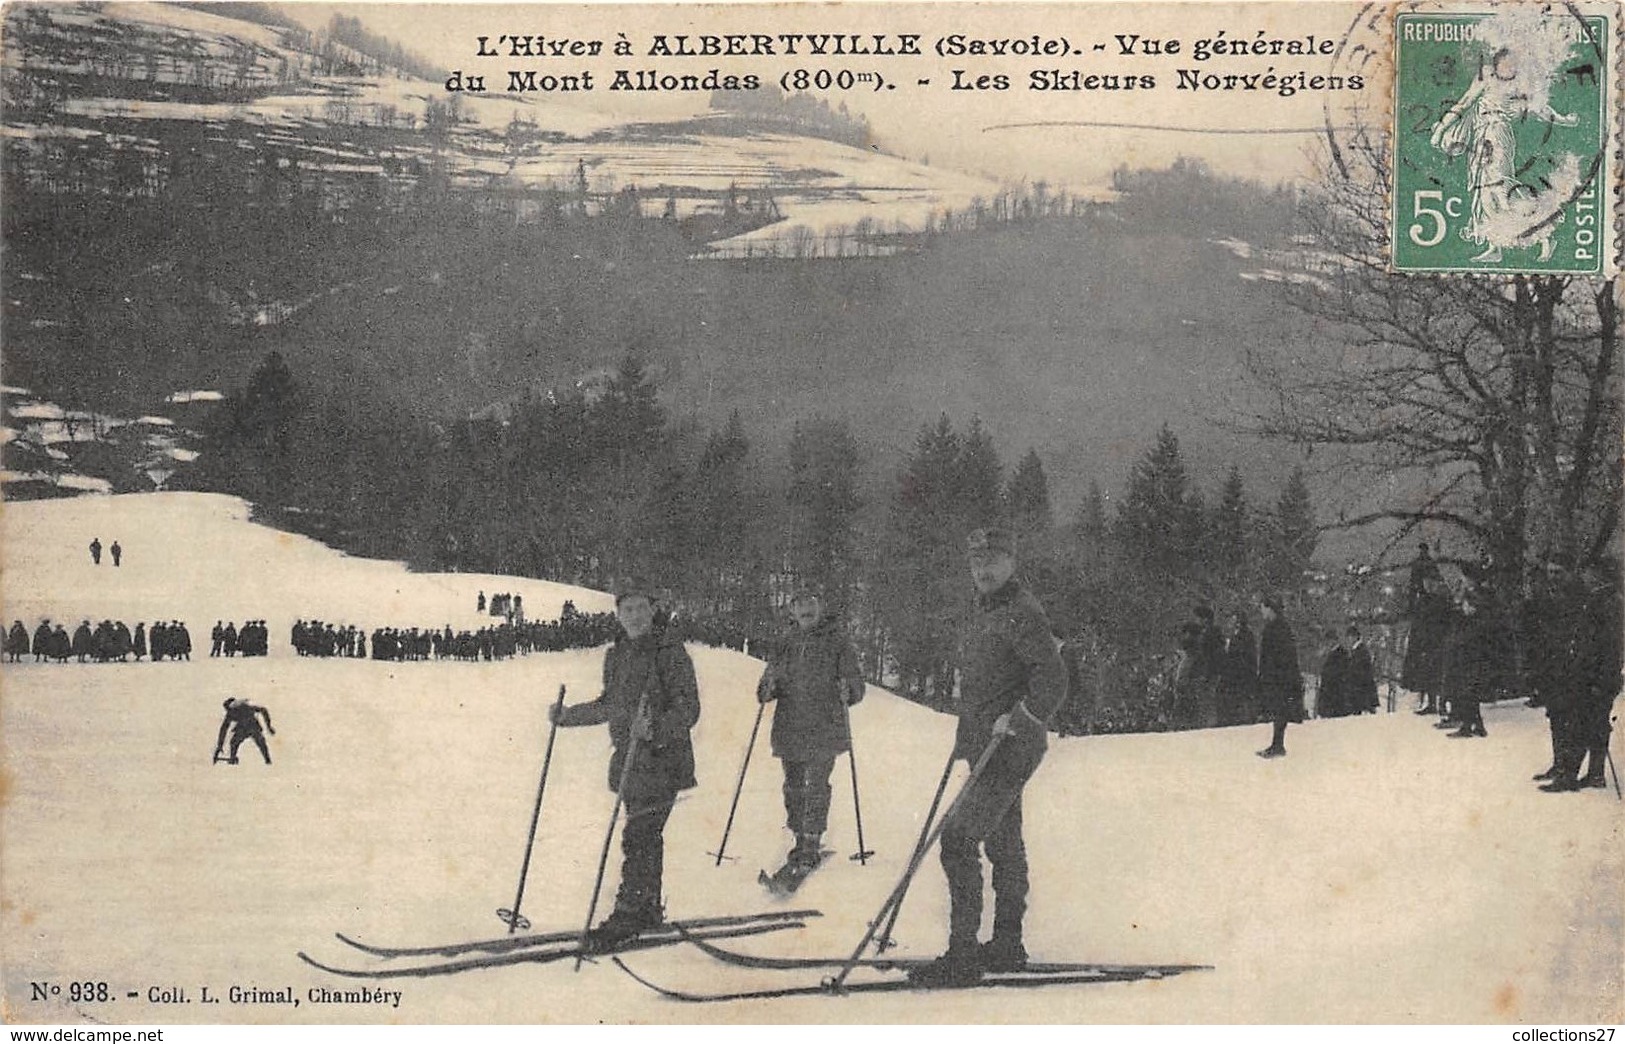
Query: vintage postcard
809,513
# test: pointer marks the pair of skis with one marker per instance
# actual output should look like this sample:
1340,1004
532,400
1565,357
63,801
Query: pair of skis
451,958
1031,976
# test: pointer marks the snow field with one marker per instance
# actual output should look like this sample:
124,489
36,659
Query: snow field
1379,873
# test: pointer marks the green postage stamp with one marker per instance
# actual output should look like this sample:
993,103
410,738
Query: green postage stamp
1503,140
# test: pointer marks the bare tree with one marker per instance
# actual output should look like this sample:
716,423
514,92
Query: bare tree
1487,404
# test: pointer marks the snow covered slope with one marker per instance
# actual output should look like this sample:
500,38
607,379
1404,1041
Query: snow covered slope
1379,873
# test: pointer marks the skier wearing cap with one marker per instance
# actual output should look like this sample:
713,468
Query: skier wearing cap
812,677
1012,681
242,720
650,696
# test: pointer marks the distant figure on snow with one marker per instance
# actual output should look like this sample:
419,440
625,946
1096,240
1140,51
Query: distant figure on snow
479,603
118,553
17,642
1280,684
242,721
95,550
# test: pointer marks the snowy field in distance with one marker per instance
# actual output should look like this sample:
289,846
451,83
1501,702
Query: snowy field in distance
1380,873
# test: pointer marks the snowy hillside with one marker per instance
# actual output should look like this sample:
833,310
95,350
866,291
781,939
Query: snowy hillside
1380,873
132,76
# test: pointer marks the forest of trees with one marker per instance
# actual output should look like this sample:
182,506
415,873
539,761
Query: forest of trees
585,488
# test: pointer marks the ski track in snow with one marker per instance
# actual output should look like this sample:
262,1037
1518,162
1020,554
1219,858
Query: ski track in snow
1380,873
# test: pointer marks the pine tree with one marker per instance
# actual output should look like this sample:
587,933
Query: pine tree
1153,521
824,502
979,493
722,524
259,442
1091,522
918,567
1028,497
1295,531
629,417
1229,524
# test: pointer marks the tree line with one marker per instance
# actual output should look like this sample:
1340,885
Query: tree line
599,482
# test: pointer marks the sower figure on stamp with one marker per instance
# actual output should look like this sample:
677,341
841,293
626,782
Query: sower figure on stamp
650,701
242,721
1012,680
814,677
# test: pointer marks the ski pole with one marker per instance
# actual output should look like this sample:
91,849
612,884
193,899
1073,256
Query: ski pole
834,984
1612,768
514,919
609,835
862,855
739,787
885,941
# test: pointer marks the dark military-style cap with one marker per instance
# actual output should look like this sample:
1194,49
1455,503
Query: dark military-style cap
633,586
991,540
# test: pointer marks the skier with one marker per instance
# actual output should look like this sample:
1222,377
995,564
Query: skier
1012,681
1280,685
814,677
95,550
650,701
118,553
242,720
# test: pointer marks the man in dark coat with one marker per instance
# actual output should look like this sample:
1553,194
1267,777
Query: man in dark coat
1332,695
138,644
17,641
242,721
1362,676
1012,681
1603,677
650,701
95,550
118,553
42,641
1280,684
814,677
81,640
1428,607
1238,674
1578,672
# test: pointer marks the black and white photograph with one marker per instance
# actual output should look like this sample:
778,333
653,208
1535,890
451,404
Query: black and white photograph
786,514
